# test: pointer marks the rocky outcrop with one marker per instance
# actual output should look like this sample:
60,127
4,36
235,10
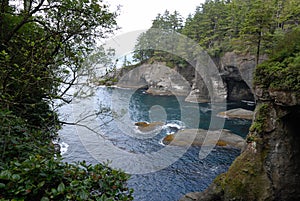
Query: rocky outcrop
198,137
157,78
236,71
148,127
208,85
269,166
202,85
199,93
238,113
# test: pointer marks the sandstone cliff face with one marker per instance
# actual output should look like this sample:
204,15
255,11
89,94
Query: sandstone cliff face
269,166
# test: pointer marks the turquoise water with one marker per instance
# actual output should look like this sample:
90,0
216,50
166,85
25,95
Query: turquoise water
188,173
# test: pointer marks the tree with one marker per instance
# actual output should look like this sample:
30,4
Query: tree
209,26
257,26
43,44
148,41
260,24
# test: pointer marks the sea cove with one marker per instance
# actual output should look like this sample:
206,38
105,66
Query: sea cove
188,173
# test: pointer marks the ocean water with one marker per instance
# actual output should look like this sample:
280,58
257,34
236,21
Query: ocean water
118,109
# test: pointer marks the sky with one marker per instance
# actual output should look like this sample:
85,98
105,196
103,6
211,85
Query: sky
138,14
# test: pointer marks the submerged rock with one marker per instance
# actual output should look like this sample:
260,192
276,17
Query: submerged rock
238,113
148,127
200,137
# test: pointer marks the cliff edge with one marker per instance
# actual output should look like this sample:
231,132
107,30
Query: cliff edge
269,166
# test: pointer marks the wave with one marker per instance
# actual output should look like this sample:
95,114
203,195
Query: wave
174,124
63,147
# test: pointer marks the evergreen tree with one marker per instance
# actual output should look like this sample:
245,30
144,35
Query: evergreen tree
157,36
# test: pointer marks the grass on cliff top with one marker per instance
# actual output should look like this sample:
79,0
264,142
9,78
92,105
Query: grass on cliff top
282,70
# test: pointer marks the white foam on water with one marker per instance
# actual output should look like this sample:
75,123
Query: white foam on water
63,148
174,124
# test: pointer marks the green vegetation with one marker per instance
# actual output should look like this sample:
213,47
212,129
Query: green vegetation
260,121
43,46
282,70
220,26
30,170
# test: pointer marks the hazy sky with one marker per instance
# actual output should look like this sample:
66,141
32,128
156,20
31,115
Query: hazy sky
138,14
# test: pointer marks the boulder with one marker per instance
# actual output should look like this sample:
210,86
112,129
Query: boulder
196,137
148,127
238,113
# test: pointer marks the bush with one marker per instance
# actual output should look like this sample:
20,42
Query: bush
29,169
39,178
18,139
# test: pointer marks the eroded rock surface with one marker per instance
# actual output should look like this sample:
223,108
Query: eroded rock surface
157,78
231,81
269,166
238,113
148,127
200,137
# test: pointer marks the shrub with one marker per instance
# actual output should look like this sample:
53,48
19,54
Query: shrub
39,178
31,170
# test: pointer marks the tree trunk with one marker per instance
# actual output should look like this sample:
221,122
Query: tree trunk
258,48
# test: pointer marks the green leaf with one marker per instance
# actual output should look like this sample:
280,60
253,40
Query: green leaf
6,174
83,195
16,177
61,187
41,184
53,191
66,71
2,185
45,199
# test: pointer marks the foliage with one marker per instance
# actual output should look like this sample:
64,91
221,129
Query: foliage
260,121
209,26
19,139
38,178
282,71
43,46
29,170
162,34
220,26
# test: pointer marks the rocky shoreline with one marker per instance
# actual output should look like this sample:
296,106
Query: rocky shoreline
235,70
268,167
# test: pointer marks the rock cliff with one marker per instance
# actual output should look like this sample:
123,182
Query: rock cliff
269,166
235,70
157,78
